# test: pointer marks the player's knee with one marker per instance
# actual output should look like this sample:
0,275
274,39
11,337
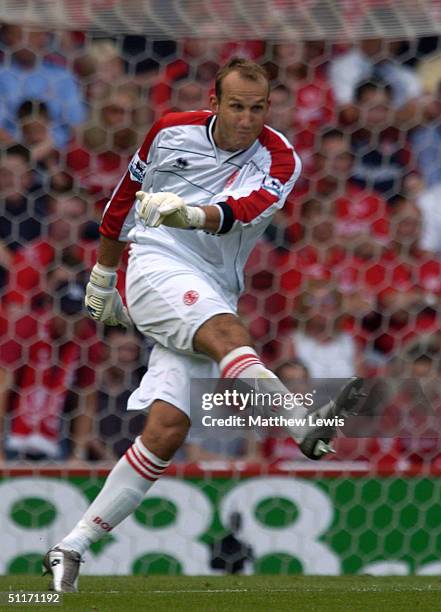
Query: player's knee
220,335
165,430
168,439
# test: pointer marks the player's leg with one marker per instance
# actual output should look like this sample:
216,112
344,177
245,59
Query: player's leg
220,335
126,486
165,393
225,339
165,430
185,310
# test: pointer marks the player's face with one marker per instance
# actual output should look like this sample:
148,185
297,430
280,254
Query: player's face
241,112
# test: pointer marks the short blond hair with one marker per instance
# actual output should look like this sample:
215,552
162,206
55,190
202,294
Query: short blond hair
247,70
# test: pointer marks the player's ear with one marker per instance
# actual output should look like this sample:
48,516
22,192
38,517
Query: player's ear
214,103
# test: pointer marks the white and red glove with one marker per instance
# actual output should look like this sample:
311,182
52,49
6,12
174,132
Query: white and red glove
166,208
102,300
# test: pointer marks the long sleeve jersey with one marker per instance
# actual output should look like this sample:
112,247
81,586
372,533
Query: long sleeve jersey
179,155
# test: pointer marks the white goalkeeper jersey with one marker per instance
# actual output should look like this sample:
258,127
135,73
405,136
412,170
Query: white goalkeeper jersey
179,155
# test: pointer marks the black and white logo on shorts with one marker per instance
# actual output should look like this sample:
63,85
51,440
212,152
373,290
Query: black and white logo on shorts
181,163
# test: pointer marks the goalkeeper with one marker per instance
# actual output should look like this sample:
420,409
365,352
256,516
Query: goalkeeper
196,197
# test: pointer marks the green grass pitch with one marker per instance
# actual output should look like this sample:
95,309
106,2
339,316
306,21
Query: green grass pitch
241,593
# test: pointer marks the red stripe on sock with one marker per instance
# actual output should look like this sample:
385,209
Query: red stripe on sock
150,472
136,468
239,360
241,367
144,459
146,473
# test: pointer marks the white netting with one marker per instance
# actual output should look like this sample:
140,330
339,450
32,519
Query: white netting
346,280
356,244
233,19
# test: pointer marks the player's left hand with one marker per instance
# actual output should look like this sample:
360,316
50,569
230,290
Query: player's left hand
102,300
166,208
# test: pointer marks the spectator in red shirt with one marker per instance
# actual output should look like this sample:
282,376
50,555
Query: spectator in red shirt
408,282
423,267
24,208
70,241
357,210
105,144
318,243
300,67
50,360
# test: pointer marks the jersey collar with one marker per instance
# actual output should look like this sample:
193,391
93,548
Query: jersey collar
237,155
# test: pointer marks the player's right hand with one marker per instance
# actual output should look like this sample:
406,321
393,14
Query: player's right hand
102,300
155,207
166,208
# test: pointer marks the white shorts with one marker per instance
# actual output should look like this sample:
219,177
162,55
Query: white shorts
169,300
169,377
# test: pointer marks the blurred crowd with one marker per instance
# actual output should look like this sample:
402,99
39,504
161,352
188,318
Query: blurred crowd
346,280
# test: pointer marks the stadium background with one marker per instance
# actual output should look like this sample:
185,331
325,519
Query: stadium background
346,280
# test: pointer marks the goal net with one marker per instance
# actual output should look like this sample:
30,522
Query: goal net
233,19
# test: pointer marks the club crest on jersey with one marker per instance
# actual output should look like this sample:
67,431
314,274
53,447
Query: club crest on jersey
137,168
181,163
190,297
273,185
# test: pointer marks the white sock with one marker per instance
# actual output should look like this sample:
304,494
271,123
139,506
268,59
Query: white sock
244,363
121,494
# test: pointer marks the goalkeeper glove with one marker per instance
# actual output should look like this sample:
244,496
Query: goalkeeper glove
166,208
102,300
